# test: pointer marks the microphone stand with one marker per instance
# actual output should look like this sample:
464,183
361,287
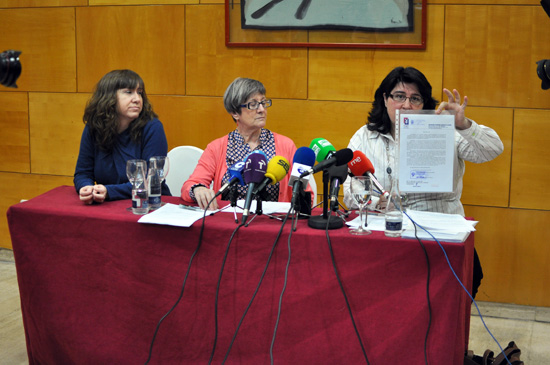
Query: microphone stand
261,195
320,222
232,194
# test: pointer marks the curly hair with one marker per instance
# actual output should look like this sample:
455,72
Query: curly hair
379,119
101,114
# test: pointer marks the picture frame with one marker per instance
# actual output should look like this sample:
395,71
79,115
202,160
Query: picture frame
397,24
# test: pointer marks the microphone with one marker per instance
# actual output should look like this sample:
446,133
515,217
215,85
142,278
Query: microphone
338,175
322,148
361,165
304,159
337,158
254,170
235,176
277,168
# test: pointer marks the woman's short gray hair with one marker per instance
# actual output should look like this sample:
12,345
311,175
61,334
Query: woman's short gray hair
239,91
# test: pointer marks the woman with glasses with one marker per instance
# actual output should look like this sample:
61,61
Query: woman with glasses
245,101
408,89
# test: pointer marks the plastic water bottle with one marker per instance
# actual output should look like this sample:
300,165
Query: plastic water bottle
154,189
140,198
140,201
394,212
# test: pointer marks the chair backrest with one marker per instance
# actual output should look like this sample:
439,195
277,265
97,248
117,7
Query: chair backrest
183,160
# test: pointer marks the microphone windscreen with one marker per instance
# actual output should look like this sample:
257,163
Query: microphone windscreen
360,164
304,156
236,170
254,168
321,147
343,156
277,168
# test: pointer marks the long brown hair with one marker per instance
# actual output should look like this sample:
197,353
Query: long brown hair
101,114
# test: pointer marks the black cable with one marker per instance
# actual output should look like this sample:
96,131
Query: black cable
427,295
183,285
282,291
218,291
344,292
257,287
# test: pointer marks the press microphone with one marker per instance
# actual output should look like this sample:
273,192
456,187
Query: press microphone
337,158
304,159
277,168
253,173
322,148
360,165
235,176
338,175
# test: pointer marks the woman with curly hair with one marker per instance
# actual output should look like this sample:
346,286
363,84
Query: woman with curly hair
120,125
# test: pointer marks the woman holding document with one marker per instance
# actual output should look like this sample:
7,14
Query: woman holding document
408,89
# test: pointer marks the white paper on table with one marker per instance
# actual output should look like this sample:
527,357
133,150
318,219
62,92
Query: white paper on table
444,227
174,215
267,207
441,222
426,151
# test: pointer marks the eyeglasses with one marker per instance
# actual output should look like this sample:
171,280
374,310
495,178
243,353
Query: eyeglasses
401,98
253,105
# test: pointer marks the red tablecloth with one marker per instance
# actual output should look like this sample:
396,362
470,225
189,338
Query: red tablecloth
94,283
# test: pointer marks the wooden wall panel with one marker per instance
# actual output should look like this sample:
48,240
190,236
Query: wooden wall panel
141,2
351,74
514,255
56,128
23,186
491,54
14,132
47,41
149,40
531,160
194,121
40,3
211,66
304,120
489,183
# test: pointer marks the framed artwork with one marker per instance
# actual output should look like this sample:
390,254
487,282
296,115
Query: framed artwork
326,23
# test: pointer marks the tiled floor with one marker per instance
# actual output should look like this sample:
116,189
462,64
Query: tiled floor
529,327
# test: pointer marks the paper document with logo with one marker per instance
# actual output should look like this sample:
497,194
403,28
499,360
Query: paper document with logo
426,148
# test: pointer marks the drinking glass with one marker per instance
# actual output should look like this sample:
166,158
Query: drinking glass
361,190
132,169
136,172
161,164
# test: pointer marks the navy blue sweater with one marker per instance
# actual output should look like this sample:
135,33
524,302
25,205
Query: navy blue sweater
97,166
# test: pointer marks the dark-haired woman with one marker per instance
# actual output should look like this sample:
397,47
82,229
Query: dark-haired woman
120,125
408,89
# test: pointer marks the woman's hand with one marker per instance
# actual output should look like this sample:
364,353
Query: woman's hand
203,195
86,194
454,104
100,193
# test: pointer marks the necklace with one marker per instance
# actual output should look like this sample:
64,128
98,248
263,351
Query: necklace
388,168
